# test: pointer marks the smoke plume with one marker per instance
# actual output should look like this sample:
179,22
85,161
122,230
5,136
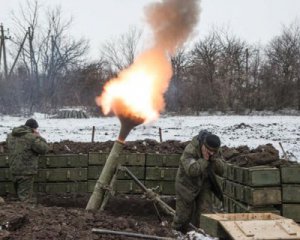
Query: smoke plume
172,22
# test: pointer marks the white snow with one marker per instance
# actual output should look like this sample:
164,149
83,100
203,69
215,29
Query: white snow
253,130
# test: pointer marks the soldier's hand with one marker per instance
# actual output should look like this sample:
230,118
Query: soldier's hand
36,133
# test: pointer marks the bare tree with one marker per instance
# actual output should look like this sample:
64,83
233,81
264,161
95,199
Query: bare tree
49,53
282,64
121,51
175,99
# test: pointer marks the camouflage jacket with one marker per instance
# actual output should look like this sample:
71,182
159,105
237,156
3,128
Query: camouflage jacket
24,148
192,171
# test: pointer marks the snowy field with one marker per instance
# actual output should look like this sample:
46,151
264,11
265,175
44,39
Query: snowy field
233,130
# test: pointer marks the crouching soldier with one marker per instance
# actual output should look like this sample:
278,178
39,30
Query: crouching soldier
195,180
25,145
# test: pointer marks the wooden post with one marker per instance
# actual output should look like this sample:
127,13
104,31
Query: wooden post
160,135
93,134
3,38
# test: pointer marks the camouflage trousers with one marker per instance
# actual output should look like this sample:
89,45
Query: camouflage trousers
190,212
24,187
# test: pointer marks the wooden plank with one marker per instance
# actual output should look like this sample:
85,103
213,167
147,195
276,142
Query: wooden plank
290,174
262,229
291,193
162,160
64,160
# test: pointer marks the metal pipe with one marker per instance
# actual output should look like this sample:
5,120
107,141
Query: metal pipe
129,234
102,184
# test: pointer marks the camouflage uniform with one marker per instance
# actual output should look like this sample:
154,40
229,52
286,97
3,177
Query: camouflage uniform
24,148
193,188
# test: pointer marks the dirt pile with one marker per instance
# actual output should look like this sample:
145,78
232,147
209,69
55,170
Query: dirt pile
262,155
21,221
241,156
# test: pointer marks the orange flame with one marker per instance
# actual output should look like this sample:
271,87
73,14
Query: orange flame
137,92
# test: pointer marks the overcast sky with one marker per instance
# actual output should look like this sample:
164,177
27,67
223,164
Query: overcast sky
98,20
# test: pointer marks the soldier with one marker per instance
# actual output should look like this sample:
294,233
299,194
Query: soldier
24,145
195,180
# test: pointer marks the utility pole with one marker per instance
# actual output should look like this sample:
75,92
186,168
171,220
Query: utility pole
18,54
3,49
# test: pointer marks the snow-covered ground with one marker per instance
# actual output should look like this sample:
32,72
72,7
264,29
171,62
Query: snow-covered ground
233,130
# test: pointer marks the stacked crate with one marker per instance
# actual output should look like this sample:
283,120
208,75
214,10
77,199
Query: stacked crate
290,179
161,171
135,162
254,189
5,176
62,173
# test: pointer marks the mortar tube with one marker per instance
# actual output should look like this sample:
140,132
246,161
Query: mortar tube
105,177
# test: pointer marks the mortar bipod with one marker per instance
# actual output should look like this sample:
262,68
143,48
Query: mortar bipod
151,195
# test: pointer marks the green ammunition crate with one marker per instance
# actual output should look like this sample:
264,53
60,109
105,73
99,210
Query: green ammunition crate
231,172
221,182
233,206
212,227
120,186
139,172
260,176
162,160
6,188
291,211
4,162
161,187
5,175
132,159
290,193
262,196
61,175
290,174
159,173
65,160
230,188
62,187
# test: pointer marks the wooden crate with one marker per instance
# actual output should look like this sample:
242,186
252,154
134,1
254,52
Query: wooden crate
244,226
290,174
162,187
291,211
61,175
160,173
64,160
5,175
62,187
162,160
291,193
260,176
132,159
4,161
95,171
120,186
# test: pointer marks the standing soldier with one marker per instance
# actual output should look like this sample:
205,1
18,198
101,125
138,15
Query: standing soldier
195,180
24,145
